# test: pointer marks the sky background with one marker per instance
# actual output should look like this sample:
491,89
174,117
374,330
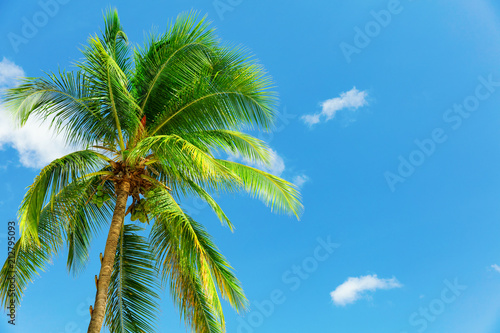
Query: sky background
398,178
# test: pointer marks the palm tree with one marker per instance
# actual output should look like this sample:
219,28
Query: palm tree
154,123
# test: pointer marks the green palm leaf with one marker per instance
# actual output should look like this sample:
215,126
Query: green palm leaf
277,193
67,100
234,143
183,158
61,216
197,245
53,178
133,290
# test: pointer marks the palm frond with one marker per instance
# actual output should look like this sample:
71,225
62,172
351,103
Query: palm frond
48,183
187,81
56,219
193,189
66,100
132,294
171,61
196,247
82,218
116,41
275,192
183,158
234,143
186,288
16,275
111,86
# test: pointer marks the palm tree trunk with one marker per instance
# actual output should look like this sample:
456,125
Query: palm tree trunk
108,260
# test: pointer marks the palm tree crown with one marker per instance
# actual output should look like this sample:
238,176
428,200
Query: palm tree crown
154,122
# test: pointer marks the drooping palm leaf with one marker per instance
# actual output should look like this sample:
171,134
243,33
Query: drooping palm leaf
67,101
133,290
277,193
59,217
195,244
182,158
234,143
83,219
53,178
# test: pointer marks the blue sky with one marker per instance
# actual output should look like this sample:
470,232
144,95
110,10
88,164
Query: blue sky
390,122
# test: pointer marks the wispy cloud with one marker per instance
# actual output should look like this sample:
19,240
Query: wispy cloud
35,142
9,73
276,168
277,164
355,288
352,99
300,180
496,267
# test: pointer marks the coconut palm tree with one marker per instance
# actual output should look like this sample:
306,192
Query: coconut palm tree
155,123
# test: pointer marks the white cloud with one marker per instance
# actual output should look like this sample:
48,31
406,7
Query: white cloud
36,144
352,99
355,288
300,180
277,164
311,119
496,267
9,73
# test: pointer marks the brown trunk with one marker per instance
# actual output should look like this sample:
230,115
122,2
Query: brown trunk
97,318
